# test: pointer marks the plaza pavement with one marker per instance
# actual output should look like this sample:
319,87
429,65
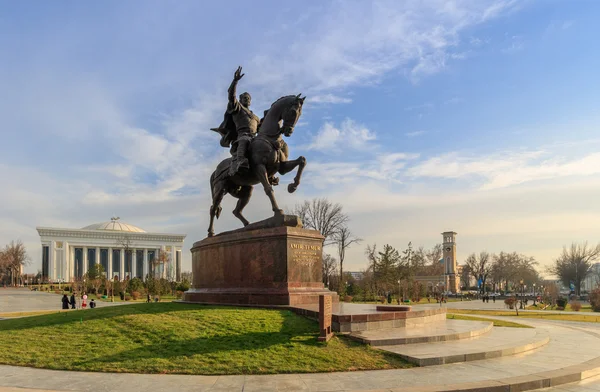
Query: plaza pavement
25,300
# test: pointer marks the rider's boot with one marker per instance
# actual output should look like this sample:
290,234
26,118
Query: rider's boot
242,161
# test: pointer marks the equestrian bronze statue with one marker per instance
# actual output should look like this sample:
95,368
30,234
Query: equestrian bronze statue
258,151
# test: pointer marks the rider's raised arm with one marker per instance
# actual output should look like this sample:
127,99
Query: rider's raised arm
233,104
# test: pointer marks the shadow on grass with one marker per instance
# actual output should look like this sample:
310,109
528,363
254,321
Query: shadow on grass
68,317
292,333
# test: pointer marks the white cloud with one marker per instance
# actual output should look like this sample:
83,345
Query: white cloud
502,170
349,135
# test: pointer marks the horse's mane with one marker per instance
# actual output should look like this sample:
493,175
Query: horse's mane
284,97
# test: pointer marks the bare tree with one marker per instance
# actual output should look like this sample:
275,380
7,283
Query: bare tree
329,268
14,258
574,264
480,267
344,238
322,215
162,258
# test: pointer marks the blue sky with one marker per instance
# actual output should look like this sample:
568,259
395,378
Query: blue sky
480,117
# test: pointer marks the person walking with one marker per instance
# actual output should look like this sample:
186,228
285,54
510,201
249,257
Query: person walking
92,304
73,303
83,303
65,301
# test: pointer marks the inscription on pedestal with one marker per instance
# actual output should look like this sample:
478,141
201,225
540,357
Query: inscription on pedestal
325,318
306,255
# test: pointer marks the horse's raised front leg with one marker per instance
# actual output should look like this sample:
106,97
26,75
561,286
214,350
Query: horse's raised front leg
215,209
261,174
244,197
288,166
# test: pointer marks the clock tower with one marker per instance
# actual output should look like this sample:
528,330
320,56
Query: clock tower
449,255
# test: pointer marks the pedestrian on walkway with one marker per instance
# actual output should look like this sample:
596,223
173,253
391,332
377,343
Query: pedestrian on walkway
83,303
72,301
65,301
92,304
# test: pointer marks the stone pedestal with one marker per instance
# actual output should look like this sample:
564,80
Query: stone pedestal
264,265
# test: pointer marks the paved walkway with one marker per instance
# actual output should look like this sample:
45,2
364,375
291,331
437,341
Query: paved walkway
558,353
25,300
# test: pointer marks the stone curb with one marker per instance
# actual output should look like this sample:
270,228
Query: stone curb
425,339
546,379
542,339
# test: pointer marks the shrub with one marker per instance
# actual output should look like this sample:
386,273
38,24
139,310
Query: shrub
183,286
561,303
127,297
58,292
576,306
179,293
348,298
595,300
510,301
135,284
136,295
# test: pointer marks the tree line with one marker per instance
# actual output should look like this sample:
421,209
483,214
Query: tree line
391,270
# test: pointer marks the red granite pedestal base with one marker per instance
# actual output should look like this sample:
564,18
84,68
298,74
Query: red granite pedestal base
268,266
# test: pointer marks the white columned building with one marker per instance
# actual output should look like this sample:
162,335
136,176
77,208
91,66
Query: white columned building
123,250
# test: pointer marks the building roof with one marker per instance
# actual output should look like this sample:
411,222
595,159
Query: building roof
114,225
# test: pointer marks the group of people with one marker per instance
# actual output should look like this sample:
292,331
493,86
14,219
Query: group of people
486,298
66,301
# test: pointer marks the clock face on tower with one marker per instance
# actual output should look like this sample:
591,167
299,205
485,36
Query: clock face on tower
448,249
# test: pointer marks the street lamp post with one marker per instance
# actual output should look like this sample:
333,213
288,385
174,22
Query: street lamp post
522,292
399,289
534,296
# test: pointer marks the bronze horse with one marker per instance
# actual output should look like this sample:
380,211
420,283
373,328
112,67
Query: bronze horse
267,155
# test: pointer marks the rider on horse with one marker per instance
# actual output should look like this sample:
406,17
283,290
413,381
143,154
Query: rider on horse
239,127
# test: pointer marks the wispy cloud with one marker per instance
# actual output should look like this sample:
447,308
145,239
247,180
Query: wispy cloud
414,133
427,105
515,44
328,98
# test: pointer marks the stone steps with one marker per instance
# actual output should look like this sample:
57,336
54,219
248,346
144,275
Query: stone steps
500,342
447,330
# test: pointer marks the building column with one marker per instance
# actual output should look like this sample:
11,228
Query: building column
85,260
145,263
178,265
122,266
67,258
109,271
51,261
133,264
97,261
173,264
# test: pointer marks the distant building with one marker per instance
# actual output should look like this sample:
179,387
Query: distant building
449,280
123,250
592,280
356,275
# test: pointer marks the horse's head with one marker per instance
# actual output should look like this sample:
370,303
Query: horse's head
291,114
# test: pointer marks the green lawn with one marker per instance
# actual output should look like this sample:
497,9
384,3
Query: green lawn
590,318
179,338
540,307
497,323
